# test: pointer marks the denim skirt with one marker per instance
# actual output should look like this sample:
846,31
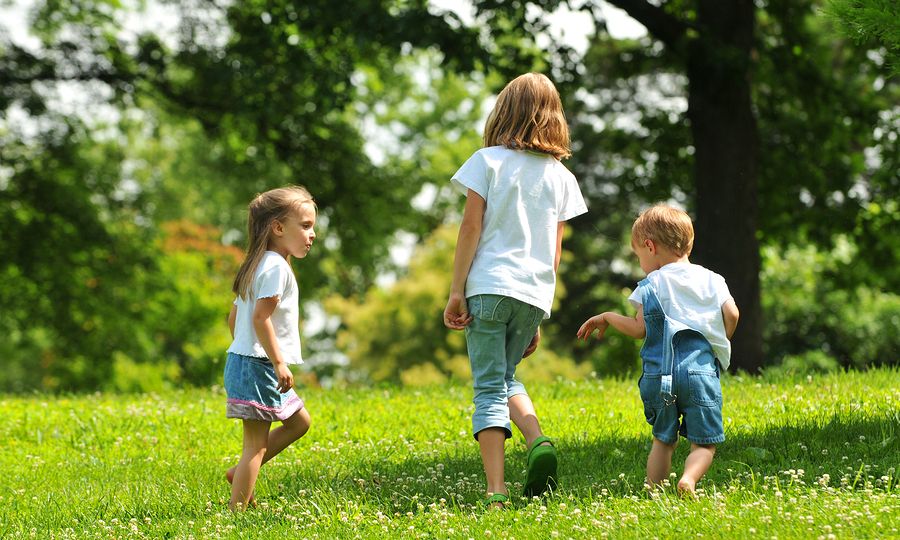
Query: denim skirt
252,389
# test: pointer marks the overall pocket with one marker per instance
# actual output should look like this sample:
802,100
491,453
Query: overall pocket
649,385
705,388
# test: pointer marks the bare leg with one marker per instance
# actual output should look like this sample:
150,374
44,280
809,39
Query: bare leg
280,438
491,441
695,466
256,435
659,462
522,414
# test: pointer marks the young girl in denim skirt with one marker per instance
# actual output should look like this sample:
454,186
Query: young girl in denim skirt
264,323
687,317
518,197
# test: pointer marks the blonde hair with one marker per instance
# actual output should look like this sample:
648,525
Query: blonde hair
529,115
666,226
266,208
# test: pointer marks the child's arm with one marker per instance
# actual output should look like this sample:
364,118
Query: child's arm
232,317
560,230
633,327
456,315
265,332
730,315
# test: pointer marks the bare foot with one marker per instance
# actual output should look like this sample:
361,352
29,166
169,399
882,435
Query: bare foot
229,475
686,488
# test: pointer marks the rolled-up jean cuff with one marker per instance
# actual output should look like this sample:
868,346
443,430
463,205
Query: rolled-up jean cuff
514,389
505,428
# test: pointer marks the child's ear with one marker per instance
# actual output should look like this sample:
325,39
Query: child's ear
650,245
277,228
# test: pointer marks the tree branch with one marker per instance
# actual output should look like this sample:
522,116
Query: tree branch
666,28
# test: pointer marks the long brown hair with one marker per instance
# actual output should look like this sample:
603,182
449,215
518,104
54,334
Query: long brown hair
529,115
265,208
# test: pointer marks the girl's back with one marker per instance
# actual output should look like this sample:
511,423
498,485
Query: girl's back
526,195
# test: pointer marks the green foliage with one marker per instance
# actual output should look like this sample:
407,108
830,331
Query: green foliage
809,316
245,97
242,102
870,21
92,299
187,313
401,462
133,377
815,361
71,261
828,131
395,331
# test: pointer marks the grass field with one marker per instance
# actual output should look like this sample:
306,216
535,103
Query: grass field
812,457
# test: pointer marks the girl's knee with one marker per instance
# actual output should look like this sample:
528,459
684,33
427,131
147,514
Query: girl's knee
300,422
255,452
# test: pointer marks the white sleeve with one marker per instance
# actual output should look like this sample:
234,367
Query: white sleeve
272,282
572,202
722,293
473,175
635,298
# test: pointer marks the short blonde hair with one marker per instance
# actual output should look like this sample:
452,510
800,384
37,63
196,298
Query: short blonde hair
529,115
666,226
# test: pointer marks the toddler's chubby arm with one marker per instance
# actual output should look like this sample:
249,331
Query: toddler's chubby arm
633,327
456,314
730,315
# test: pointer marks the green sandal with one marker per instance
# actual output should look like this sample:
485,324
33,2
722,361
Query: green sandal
542,463
497,498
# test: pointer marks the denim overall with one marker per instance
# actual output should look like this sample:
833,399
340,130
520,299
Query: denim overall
680,384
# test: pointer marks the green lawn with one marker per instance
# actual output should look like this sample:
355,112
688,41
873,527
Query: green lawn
805,458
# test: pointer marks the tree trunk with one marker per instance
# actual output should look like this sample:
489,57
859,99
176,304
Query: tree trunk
725,162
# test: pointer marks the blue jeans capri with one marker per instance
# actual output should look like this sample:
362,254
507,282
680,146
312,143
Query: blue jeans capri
500,331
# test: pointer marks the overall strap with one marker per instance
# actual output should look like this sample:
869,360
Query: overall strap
649,300
652,305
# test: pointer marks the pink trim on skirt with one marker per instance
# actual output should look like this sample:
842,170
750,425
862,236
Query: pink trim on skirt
250,410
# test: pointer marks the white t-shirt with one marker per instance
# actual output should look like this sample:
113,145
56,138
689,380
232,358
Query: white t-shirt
527,194
693,296
273,277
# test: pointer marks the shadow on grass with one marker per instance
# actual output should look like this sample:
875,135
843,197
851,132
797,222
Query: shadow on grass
837,446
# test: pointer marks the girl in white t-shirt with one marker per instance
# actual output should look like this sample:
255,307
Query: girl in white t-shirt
264,322
518,197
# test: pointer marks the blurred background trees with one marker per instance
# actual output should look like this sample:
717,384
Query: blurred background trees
133,135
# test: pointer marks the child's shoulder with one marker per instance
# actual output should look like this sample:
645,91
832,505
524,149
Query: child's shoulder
688,277
494,154
271,260
684,273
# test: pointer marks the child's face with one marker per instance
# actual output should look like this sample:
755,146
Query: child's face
644,249
295,234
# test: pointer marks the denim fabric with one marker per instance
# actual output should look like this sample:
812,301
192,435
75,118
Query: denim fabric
501,329
252,390
680,385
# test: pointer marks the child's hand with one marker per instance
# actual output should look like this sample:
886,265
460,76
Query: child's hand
456,314
285,377
598,323
534,343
